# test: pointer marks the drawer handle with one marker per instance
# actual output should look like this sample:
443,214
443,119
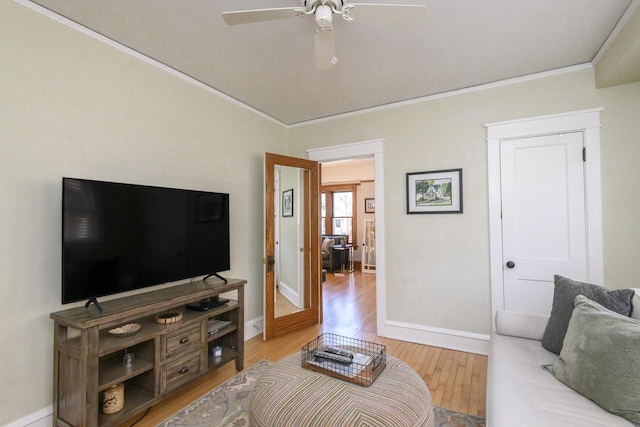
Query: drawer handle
184,340
184,370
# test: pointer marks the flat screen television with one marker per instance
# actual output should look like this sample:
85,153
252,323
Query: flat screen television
120,237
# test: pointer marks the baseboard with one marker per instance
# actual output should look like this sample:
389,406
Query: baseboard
253,327
289,293
41,418
438,337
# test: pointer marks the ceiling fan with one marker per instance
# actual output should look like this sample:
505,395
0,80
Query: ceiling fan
400,15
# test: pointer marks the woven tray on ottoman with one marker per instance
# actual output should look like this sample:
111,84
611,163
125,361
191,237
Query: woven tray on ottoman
288,395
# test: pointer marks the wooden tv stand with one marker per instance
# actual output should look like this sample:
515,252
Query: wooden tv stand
88,359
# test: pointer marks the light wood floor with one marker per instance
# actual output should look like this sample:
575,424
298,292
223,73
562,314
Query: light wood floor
283,305
457,380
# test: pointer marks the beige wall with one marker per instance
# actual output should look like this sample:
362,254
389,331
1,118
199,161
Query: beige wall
72,106
620,174
438,265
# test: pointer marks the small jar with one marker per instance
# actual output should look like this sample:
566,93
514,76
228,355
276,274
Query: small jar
113,399
216,351
128,360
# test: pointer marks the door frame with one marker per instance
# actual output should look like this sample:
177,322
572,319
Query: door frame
585,121
371,148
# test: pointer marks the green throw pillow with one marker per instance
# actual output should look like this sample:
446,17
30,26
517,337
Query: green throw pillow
600,358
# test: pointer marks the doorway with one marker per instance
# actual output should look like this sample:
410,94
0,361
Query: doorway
373,150
345,186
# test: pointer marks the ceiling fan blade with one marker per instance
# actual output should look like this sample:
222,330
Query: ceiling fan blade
399,15
325,49
250,16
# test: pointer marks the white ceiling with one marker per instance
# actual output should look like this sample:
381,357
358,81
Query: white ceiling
270,65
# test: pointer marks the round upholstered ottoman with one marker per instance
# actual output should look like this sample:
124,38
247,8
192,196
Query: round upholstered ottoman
288,395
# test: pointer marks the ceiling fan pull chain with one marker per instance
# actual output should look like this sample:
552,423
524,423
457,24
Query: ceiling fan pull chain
331,43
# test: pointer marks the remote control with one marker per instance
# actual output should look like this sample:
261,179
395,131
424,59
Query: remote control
339,352
334,357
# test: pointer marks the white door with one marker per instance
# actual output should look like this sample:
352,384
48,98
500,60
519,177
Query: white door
543,217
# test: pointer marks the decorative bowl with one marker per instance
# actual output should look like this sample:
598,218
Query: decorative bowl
170,317
125,330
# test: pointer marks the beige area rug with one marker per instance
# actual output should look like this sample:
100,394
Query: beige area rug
228,405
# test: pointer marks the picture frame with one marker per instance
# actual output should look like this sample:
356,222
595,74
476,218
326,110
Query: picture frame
287,203
433,192
369,205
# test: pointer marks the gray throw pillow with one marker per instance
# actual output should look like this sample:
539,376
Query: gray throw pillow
565,291
600,358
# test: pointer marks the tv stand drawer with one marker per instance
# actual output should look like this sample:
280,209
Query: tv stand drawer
183,340
182,370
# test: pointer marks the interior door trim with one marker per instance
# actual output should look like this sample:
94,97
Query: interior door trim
586,121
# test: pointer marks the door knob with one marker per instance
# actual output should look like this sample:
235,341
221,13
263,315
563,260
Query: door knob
511,264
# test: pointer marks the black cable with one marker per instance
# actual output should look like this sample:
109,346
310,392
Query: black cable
142,417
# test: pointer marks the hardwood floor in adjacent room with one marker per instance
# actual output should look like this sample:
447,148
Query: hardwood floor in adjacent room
457,380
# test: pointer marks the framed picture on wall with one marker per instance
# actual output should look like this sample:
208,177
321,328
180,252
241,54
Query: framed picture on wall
369,205
287,203
434,192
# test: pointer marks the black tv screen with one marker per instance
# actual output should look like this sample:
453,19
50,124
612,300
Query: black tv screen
120,237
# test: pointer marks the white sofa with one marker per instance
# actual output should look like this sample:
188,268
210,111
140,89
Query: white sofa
520,393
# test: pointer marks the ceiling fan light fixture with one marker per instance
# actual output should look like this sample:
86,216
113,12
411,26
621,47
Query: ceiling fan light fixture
324,17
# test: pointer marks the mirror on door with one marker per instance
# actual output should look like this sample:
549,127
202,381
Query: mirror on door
292,279
292,249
